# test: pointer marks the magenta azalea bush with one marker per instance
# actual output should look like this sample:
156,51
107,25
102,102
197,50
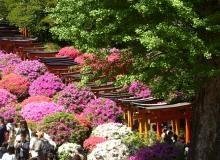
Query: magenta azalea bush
90,143
64,127
139,89
8,112
30,69
6,98
37,111
46,85
16,84
68,52
103,110
74,99
158,151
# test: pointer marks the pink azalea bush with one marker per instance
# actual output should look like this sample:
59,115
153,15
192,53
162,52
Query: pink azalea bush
74,99
84,57
113,57
139,89
37,111
6,98
46,85
36,99
102,110
90,143
30,69
83,121
68,52
64,127
16,84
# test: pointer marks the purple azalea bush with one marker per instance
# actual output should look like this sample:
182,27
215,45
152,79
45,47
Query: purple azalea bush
103,110
6,98
8,112
46,85
37,111
8,62
158,151
74,99
139,89
30,69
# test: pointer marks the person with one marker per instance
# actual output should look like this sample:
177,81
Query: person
22,147
33,144
2,131
23,128
10,154
3,149
10,126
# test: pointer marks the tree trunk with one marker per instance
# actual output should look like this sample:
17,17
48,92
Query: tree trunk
205,138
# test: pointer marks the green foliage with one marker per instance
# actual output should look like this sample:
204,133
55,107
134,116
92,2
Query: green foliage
54,117
30,14
135,141
175,43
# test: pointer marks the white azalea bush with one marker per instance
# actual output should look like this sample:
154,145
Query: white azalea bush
110,150
69,150
112,131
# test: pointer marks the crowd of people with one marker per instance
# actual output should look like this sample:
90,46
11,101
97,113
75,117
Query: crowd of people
20,143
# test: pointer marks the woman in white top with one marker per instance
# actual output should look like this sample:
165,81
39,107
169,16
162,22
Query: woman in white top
10,155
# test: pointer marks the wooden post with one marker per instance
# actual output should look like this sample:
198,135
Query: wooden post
158,130
187,127
177,125
173,126
146,127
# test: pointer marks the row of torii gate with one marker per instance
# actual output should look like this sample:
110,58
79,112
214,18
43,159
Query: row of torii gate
144,110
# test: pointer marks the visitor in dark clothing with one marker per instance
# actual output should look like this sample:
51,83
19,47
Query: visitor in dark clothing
2,131
22,147
3,149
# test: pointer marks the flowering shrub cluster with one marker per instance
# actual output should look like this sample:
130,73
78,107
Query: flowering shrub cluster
84,57
139,89
113,57
83,120
37,111
112,149
6,98
103,110
74,99
112,131
69,150
68,52
157,152
16,84
36,99
47,85
64,127
30,69
90,143
8,112
8,62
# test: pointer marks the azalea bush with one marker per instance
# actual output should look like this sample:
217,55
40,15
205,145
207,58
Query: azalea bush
36,99
8,62
46,85
158,151
112,131
6,98
69,150
74,99
81,59
37,111
30,69
16,84
112,149
103,110
83,120
90,143
9,111
139,89
64,127
68,52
